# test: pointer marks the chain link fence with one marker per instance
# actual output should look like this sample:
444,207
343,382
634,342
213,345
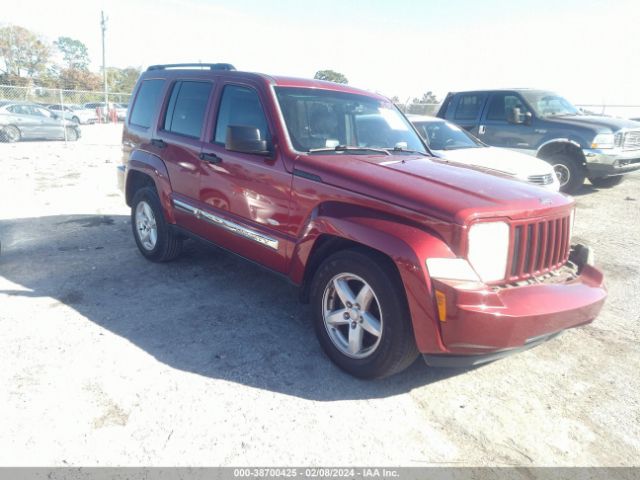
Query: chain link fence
68,101
419,108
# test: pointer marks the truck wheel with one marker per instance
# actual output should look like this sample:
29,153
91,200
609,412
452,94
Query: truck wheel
569,173
361,316
10,134
153,236
606,182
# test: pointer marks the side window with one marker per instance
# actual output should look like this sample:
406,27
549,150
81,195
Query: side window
146,103
240,106
501,104
187,106
468,107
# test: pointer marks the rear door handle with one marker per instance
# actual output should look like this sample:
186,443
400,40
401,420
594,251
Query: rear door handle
156,142
210,157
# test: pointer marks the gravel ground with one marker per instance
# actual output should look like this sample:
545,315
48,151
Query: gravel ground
108,359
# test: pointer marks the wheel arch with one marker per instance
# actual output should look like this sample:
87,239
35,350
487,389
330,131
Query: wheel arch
405,251
145,169
561,145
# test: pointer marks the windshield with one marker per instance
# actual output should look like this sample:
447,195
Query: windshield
548,104
324,119
441,135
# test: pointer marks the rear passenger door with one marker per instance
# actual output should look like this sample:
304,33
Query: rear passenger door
246,196
467,110
179,140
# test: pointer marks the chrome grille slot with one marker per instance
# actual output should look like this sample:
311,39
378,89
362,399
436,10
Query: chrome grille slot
538,247
631,140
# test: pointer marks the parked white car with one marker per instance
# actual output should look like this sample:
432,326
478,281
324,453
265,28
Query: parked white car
75,113
452,143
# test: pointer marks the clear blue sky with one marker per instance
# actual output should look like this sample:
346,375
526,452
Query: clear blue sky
588,50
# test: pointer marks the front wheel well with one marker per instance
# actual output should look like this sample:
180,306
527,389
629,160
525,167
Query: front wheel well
566,148
327,245
135,181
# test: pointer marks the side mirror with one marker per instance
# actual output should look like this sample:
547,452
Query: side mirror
515,116
527,118
245,139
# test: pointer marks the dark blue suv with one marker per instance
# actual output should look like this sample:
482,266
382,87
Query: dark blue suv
546,125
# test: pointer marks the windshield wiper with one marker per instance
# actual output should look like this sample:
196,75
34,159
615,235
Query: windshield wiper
347,148
393,150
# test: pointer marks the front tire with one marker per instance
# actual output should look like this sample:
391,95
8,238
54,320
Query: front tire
606,182
361,317
11,134
72,134
569,173
153,236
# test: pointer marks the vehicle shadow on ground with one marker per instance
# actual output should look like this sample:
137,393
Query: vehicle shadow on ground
209,312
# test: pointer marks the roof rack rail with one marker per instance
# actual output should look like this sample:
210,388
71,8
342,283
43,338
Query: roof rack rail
210,66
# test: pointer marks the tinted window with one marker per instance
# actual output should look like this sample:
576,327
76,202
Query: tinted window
446,136
501,104
468,107
325,119
240,106
187,106
146,103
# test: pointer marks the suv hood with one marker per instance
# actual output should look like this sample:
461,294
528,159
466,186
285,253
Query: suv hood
595,123
453,193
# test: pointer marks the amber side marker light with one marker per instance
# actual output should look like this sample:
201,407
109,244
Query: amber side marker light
441,301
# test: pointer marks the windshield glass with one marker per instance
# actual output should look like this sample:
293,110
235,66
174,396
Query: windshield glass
441,135
548,104
319,119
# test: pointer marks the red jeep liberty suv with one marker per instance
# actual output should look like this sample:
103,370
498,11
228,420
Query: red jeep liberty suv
398,252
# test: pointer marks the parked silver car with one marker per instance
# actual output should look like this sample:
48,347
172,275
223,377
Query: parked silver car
75,113
22,121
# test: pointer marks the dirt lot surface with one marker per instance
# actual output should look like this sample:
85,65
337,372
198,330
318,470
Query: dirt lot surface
108,359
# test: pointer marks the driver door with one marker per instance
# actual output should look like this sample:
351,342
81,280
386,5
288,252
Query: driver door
496,129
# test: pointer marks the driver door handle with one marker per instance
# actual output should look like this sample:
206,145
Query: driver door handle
210,157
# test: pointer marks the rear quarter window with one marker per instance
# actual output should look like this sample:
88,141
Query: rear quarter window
469,107
146,103
187,106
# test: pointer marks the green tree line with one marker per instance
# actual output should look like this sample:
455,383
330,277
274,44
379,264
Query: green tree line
28,59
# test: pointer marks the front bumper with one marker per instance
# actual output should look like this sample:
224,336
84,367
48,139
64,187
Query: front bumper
607,163
121,171
483,324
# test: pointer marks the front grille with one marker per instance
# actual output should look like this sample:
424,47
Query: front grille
540,179
537,247
631,140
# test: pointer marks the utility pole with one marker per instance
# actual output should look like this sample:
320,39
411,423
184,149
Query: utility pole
103,25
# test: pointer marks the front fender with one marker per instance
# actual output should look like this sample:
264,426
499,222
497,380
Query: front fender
408,246
153,167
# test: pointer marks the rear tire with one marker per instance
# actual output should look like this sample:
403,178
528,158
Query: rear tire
374,337
11,134
606,182
155,240
569,173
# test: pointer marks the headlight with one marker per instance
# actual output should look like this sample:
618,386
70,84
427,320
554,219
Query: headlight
488,249
603,140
